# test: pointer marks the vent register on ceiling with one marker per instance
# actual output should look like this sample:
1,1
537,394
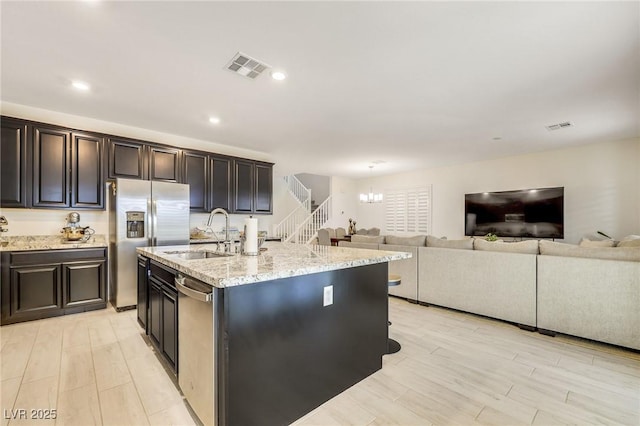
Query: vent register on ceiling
246,66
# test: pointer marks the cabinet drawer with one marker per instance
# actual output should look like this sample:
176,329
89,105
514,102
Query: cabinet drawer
55,256
163,274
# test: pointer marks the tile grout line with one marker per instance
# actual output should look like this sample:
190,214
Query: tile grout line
25,370
95,376
146,413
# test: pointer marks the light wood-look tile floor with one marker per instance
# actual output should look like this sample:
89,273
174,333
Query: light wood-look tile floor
454,368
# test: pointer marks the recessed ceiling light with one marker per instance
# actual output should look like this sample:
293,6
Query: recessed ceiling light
80,85
214,120
278,75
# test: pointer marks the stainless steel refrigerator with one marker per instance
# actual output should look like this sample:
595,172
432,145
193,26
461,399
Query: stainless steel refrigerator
142,213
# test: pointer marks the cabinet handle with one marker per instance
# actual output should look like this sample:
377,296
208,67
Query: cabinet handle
194,294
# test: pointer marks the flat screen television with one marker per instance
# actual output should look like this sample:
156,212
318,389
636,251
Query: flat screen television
530,213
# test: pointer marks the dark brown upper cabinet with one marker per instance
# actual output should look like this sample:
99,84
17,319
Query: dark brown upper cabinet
164,163
67,169
48,166
253,187
51,166
263,195
87,171
127,159
220,183
195,172
244,185
13,164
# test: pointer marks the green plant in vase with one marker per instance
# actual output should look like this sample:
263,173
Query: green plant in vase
491,237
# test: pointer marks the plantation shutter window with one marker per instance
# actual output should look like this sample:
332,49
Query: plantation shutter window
408,210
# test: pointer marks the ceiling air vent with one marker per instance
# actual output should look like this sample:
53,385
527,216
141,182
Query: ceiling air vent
559,126
246,66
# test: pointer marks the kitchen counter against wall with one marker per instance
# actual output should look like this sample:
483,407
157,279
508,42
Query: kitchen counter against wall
279,260
48,242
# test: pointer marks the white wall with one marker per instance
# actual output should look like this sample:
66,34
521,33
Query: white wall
344,204
50,221
320,186
601,181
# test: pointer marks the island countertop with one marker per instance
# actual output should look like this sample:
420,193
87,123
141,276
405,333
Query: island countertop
279,260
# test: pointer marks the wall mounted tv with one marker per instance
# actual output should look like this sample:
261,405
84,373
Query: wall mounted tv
527,213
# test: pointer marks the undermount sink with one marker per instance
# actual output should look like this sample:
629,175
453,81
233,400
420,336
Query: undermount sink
201,254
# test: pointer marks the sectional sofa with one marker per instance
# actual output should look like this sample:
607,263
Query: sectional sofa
590,292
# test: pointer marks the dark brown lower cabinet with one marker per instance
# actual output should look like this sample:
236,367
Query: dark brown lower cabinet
83,283
48,283
162,325
35,291
170,326
143,299
155,312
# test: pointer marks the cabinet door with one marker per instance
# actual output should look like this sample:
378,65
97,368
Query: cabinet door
165,164
127,159
244,186
264,188
87,177
221,188
142,291
170,326
51,165
83,283
35,292
13,169
155,312
196,174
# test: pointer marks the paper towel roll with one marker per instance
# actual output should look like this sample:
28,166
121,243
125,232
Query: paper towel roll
251,236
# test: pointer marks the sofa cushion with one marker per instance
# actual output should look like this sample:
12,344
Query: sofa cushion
552,248
417,241
466,244
367,239
526,247
370,246
630,241
585,242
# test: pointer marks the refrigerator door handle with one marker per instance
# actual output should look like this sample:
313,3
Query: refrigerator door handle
154,222
149,222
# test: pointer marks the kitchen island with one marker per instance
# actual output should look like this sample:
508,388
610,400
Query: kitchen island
281,332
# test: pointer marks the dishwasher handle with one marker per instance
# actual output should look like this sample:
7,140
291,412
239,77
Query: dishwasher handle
182,285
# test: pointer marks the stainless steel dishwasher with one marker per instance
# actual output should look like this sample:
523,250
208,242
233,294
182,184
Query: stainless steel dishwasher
196,357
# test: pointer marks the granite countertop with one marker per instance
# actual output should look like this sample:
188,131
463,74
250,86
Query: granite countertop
215,240
279,260
48,242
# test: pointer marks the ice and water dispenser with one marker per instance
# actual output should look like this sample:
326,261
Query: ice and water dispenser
135,224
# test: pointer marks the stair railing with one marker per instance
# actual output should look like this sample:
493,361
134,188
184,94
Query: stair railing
301,192
307,231
288,226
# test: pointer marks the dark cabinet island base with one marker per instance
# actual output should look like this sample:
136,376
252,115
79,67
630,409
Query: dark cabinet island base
280,353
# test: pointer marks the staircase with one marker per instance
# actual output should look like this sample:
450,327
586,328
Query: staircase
308,229
302,224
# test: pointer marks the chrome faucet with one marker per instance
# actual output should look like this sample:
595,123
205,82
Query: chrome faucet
226,217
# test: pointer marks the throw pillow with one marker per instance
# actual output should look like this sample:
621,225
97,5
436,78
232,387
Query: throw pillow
417,241
551,248
585,242
630,241
524,247
466,244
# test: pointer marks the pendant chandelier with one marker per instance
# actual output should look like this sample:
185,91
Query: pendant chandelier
371,197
